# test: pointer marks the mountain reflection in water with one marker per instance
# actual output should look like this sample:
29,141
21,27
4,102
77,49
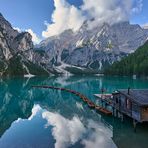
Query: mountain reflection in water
43,118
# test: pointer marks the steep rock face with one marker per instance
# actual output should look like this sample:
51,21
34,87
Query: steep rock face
16,52
95,48
7,29
23,42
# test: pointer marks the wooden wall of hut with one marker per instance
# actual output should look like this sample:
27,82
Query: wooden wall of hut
144,114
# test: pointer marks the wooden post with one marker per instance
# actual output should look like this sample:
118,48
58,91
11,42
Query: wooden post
116,113
105,104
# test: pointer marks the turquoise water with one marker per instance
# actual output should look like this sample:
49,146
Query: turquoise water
39,118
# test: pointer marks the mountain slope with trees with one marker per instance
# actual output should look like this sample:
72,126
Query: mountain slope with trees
134,64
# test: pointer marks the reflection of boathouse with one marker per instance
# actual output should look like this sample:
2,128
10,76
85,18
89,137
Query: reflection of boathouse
133,103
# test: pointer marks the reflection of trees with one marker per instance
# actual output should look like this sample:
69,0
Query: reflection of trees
15,102
17,99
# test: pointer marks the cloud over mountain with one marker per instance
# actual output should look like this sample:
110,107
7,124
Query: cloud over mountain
35,38
66,16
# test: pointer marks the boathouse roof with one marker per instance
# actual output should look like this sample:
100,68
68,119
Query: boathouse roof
139,96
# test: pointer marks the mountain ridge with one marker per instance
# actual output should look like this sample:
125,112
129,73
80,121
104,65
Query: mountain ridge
94,49
83,52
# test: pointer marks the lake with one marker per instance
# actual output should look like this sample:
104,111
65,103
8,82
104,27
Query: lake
44,118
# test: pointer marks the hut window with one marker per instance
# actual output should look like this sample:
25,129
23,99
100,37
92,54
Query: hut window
145,109
128,102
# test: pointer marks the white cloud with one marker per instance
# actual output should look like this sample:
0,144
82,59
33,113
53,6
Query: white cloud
35,38
65,131
35,110
18,29
137,6
100,137
68,132
145,26
66,16
111,11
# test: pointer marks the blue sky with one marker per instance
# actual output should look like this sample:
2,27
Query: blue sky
31,14
142,17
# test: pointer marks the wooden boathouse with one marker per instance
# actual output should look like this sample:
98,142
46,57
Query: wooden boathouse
133,103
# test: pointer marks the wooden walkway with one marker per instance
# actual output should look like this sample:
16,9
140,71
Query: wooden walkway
108,101
90,104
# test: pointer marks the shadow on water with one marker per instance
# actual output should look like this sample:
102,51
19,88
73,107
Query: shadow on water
19,104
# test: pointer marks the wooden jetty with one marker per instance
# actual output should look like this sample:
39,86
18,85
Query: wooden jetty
90,103
129,102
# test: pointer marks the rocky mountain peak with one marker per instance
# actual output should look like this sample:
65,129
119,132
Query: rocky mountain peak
4,24
23,42
16,52
7,30
94,48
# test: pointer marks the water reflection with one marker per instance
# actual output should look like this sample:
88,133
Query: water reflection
68,132
65,131
49,118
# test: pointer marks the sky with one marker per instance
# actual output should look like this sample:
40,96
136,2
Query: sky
45,18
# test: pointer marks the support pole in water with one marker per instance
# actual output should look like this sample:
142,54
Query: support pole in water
122,117
135,125
113,110
105,104
116,113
